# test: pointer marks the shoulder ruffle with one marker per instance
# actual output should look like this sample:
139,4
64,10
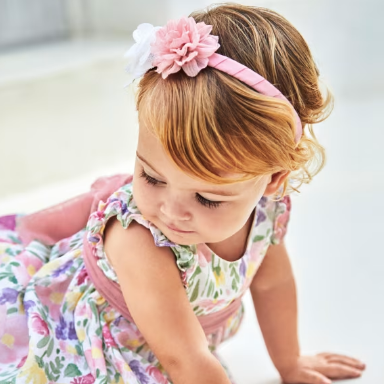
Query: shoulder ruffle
122,205
281,211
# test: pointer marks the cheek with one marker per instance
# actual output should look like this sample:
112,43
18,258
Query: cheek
228,222
214,223
145,197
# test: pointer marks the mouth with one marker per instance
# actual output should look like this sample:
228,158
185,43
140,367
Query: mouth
172,228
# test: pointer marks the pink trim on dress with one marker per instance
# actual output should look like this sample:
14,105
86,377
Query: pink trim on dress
111,291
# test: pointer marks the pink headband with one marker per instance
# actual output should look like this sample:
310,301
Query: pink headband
187,45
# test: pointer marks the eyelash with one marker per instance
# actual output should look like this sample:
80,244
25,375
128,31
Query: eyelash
206,203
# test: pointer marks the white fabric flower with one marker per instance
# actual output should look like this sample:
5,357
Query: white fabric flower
139,56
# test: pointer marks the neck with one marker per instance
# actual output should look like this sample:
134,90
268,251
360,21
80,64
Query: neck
234,247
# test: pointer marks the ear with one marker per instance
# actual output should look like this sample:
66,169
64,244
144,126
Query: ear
277,179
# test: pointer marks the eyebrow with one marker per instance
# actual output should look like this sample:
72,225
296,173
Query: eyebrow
216,192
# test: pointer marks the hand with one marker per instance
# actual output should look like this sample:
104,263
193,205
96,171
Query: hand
321,368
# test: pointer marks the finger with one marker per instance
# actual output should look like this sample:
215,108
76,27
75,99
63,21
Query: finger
340,371
313,377
346,359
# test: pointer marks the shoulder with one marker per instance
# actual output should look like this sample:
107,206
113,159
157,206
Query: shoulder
133,245
129,234
118,212
146,248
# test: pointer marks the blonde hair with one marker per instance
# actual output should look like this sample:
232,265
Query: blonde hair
213,124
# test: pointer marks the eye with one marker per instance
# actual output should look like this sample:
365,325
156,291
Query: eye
206,202
149,179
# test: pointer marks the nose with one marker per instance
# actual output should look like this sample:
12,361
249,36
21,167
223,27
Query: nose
174,210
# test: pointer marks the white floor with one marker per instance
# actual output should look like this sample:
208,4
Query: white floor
63,126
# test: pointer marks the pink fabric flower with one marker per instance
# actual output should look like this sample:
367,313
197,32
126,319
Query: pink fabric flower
22,361
183,44
39,325
87,379
29,264
108,339
94,355
256,248
82,276
15,330
156,374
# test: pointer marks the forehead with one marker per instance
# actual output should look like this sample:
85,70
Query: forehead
151,153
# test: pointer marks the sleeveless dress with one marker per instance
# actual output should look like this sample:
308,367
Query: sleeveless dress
55,327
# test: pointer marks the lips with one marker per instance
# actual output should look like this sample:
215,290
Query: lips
173,228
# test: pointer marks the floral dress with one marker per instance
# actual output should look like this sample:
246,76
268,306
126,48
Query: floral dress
55,327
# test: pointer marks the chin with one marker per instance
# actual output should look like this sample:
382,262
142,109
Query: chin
181,242
182,239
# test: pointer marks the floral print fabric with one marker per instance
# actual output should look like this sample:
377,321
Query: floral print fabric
56,328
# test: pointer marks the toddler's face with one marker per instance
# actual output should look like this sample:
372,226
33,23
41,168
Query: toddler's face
187,210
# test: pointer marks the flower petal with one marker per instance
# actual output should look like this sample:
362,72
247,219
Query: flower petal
191,68
183,43
171,69
139,56
142,31
203,29
186,59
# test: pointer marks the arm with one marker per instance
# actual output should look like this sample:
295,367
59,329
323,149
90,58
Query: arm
152,288
274,296
273,292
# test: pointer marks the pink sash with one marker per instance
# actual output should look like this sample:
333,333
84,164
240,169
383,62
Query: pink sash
65,219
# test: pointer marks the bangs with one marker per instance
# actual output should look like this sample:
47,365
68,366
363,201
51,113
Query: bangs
211,127
216,128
